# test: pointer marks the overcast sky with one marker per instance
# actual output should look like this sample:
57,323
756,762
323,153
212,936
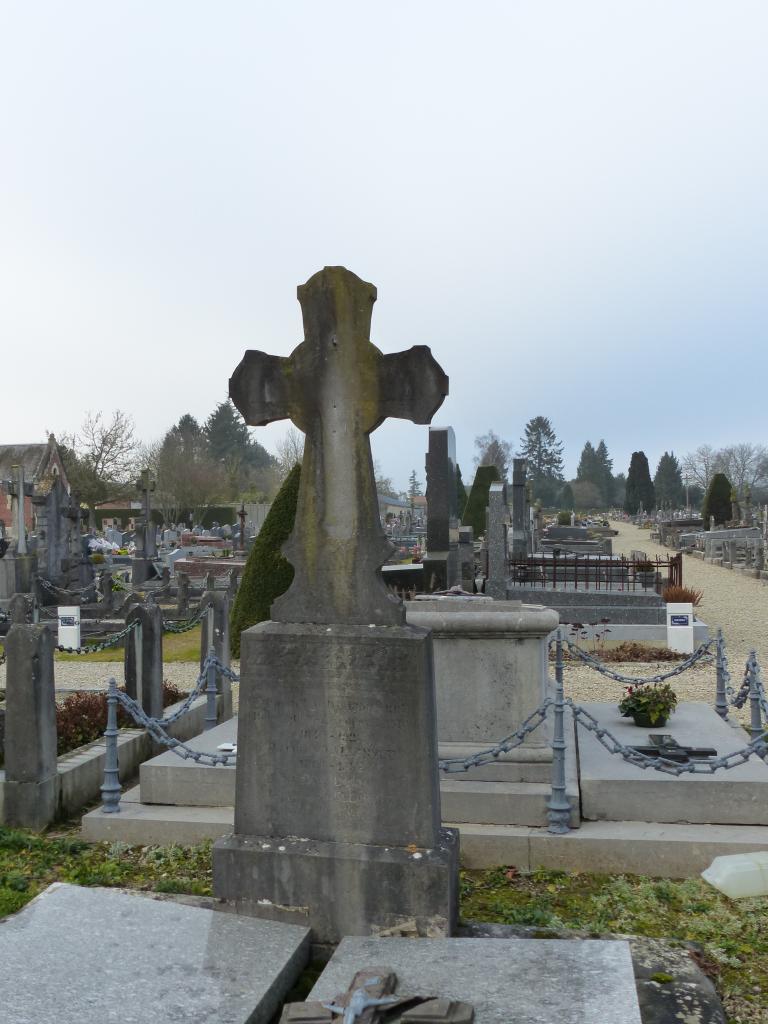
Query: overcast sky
567,201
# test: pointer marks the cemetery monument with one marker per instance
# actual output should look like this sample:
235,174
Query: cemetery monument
337,808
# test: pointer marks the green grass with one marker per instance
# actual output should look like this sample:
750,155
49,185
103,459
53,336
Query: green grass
734,935
176,647
30,862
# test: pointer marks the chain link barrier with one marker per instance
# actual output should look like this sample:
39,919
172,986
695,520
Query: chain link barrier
184,626
450,765
594,663
102,645
71,592
758,746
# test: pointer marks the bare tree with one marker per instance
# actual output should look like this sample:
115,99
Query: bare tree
700,466
745,465
290,451
102,457
493,451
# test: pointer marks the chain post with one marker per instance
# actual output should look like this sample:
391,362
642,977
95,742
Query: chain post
138,654
756,729
558,807
721,701
110,790
210,692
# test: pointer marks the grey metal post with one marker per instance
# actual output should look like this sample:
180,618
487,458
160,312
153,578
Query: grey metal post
35,609
110,790
756,729
721,663
210,693
558,807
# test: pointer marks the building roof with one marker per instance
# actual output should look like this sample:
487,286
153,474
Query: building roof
38,461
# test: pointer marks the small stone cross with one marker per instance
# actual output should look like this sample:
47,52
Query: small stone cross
337,387
19,490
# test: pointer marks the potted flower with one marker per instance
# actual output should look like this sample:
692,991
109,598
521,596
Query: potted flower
649,706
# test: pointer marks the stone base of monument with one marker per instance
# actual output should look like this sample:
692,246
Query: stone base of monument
337,746
16,574
341,888
522,980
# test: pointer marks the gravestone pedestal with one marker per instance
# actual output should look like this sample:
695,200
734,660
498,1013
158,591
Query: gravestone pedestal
16,574
337,808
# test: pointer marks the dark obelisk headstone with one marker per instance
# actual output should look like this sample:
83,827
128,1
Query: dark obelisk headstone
441,561
521,528
337,808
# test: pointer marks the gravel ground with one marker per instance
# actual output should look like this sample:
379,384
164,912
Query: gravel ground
736,603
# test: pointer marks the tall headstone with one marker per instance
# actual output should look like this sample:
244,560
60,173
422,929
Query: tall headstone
146,533
496,539
441,561
521,535
18,565
336,733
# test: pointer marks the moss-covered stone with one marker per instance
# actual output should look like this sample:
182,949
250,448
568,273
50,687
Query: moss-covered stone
267,573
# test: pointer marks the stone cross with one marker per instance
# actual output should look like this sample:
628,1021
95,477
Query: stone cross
337,387
146,485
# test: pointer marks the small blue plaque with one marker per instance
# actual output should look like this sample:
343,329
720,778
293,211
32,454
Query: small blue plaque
680,620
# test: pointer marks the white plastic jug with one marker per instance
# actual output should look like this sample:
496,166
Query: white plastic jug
739,875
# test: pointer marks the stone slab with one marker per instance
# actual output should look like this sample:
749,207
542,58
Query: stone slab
141,824
103,956
527,981
614,790
170,779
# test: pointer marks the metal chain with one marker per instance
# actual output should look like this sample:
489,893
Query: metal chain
591,662
758,746
155,727
102,645
72,592
184,626
463,764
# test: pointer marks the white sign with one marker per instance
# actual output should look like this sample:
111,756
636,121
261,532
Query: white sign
69,626
680,628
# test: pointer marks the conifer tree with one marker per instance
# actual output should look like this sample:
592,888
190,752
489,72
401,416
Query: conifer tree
717,500
639,485
668,481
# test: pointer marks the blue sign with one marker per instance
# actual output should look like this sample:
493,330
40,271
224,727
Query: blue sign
67,620
680,620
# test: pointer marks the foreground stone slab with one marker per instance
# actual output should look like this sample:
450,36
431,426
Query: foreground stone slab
525,981
614,790
93,956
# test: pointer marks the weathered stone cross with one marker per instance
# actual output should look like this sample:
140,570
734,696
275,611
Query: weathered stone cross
337,387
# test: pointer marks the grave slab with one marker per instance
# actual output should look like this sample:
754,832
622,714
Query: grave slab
108,956
170,779
614,790
520,980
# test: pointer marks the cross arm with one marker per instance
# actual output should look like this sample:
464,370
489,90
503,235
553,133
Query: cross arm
258,387
413,385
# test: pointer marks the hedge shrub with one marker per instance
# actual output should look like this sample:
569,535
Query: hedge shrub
267,573
477,503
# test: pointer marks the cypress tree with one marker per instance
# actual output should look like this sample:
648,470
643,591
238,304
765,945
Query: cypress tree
461,494
477,503
267,573
717,500
565,499
639,485
668,481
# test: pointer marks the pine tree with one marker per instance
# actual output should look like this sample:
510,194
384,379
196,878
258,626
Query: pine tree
605,465
639,485
565,499
717,500
267,573
542,450
668,481
588,468
229,439
414,485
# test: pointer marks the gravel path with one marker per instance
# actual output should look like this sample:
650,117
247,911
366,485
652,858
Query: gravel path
737,604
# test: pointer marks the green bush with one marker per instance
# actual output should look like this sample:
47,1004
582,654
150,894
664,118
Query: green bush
477,503
717,500
82,717
267,573
563,518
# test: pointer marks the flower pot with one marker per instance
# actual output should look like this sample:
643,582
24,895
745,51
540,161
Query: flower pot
644,720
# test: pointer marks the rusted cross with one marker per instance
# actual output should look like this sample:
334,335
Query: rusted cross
337,387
